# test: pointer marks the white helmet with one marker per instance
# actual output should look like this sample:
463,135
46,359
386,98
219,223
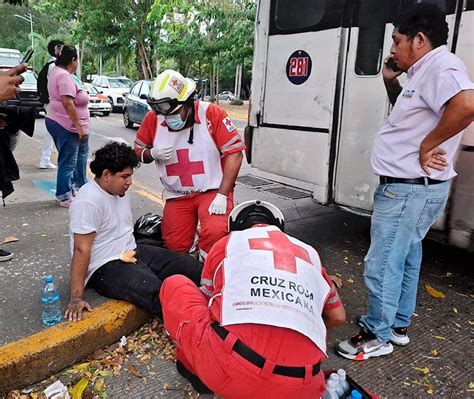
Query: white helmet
169,91
248,213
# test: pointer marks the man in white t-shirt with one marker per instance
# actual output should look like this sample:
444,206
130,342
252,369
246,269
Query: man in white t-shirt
413,156
102,241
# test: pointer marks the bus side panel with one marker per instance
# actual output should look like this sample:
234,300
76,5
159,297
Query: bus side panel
461,222
308,104
298,155
364,109
259,61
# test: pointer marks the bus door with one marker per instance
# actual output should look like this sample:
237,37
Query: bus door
365,104
300,81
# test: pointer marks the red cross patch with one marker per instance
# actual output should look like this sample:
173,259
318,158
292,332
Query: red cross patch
228,124
177,85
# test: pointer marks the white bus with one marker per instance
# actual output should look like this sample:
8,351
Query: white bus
318,98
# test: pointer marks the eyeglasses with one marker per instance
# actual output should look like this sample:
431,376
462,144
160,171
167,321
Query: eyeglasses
165,106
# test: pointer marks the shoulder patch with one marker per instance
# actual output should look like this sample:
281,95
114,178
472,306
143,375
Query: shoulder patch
228,124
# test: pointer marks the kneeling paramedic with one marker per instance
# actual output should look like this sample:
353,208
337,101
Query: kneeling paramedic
198,152
257,326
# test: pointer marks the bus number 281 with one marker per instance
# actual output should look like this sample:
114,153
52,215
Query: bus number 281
299,66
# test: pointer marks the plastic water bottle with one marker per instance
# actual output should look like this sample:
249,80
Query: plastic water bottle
50,301
343,382
338,388
330,390
355,394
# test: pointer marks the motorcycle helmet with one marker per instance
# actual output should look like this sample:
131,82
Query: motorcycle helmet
148,226
249,213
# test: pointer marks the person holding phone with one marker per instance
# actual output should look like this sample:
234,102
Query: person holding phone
68,124
413,157
10,82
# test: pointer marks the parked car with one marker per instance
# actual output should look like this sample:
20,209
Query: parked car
114,88
29,96
98,102
226,95
136,106
9,57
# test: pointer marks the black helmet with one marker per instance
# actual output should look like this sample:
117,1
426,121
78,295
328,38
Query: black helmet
148,226
248,213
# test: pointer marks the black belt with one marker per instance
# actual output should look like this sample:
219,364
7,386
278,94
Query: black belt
259,361
418,180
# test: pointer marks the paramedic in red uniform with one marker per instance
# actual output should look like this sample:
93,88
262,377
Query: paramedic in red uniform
257,326
198,152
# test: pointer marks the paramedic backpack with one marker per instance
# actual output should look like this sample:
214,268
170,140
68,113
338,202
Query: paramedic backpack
42,83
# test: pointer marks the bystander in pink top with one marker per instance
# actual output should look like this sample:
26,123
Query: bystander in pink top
60,83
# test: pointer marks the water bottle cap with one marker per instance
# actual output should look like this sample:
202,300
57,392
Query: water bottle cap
48,279
355,394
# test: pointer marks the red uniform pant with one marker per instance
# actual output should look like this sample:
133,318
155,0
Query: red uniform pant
188,321
181,217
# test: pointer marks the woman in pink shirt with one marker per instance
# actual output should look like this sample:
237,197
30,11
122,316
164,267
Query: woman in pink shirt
68,123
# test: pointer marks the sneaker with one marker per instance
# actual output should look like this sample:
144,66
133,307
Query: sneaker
363,345
48,165
5,255
65,203
400,336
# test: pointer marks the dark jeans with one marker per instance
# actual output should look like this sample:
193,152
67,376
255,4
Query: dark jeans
140,283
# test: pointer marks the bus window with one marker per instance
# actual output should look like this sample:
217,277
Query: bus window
371,22
298,16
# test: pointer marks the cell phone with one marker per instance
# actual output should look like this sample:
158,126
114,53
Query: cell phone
27,57
392,65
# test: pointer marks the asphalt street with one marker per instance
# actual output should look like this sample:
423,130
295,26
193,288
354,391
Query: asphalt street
436,364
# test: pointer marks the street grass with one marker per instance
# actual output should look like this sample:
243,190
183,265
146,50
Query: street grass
236,111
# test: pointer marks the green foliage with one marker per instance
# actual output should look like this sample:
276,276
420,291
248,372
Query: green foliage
15,32
197,37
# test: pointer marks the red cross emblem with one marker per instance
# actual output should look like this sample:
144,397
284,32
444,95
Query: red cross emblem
174,82
185,169
284,251
228,124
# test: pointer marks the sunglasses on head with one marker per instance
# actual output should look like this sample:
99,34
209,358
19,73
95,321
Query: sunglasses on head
164,106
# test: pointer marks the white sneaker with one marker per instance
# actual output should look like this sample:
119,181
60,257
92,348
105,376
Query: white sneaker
400,337
48,165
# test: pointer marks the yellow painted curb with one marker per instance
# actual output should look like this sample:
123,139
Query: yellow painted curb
36,357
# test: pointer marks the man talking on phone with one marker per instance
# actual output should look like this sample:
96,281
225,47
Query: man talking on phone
413,157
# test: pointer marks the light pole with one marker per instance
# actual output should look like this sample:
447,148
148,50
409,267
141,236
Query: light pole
28,17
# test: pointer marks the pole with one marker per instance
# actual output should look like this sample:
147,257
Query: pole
31,30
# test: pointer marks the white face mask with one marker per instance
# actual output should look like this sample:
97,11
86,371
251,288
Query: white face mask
175,122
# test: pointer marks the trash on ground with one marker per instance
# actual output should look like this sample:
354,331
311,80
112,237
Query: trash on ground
57,390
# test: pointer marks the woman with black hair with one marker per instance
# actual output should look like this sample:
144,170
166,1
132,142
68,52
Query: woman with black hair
68,124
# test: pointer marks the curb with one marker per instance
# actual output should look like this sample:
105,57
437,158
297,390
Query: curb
36,357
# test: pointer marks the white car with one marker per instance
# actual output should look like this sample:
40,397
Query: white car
114,88
98,102
226,95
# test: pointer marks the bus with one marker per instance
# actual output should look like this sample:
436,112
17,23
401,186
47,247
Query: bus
318,99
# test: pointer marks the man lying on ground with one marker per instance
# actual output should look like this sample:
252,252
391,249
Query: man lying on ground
102,240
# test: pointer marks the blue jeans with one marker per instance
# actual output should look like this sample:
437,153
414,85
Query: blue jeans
403,214
72,159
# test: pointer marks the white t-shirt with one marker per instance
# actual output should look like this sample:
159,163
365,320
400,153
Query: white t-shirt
110,216
431,82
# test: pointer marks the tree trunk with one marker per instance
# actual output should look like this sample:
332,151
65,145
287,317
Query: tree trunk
144,62
118,61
